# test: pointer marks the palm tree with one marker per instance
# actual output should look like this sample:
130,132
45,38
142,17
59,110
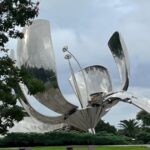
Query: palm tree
129,127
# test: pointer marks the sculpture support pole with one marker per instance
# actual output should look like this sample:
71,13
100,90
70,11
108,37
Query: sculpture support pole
65,49
74,79
92,130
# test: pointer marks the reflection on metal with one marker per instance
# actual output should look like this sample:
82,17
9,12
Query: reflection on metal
29,124
119,51
92,85
35,55
98,83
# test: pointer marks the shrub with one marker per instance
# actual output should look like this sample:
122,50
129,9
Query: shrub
144,137
62,138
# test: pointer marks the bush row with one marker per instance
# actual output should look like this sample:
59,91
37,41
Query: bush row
143,137
61,138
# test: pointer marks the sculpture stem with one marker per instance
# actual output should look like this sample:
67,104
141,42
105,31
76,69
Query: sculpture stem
84,78
75,83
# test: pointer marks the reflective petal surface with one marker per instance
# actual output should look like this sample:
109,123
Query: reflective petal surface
142,103
36,56
119,51
85,119
97,83
30,110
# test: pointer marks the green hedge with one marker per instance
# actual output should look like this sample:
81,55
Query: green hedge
144,137
61,138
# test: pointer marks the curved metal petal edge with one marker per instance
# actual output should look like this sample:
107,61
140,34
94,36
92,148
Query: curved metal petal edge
119,52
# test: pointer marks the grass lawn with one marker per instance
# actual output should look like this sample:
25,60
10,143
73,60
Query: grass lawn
8,149
96,148
86,148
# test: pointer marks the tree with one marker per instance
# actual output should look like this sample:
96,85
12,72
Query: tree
144,117
13,14
102,126
129,127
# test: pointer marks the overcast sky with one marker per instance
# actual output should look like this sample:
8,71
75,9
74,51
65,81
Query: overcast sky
86,26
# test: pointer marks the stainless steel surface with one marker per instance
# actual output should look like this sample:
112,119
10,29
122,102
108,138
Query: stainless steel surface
85,119
140,102
35,54
31,111
76,88
98,82
119,51
30,124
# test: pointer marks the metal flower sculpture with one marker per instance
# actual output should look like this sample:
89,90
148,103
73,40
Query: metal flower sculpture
92,85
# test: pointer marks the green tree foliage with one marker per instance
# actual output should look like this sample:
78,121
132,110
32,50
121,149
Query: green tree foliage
102,126
13,14
129,127
144,117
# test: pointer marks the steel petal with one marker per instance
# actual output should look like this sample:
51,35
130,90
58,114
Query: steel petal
35,54
92,80
142,103
119,52
84,119
30,110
